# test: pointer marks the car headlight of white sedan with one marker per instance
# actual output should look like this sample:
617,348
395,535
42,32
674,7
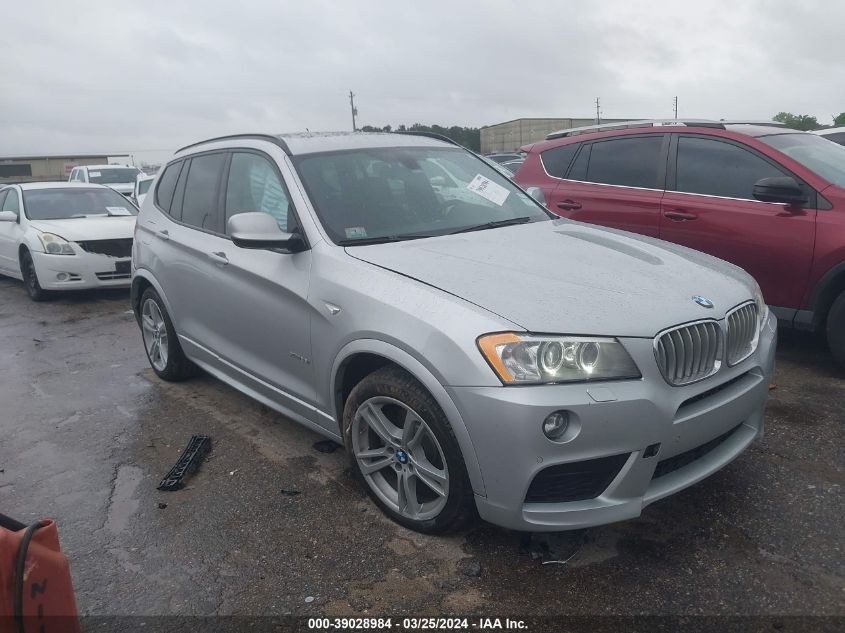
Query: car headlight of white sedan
55,245
525,359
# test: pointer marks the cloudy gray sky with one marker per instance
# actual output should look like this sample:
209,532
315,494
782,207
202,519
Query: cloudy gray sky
150,76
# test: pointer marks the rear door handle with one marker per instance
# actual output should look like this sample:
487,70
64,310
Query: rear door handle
164,234
219,258
569,205
679,216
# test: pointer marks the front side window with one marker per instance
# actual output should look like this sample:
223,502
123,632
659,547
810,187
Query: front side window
397,193
556,160
628,162
715,168
820,156
61,204
11,202
254,185
199,206
112,175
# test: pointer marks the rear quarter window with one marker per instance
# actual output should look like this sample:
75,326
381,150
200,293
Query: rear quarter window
167,185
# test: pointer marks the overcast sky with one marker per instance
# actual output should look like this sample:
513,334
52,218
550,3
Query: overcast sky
150,76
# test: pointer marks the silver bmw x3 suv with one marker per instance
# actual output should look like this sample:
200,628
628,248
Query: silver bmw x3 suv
472,352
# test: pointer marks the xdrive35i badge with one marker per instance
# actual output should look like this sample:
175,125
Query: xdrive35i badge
704,302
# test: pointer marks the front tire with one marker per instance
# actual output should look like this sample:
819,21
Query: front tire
30,279
160,342
836,329
404,452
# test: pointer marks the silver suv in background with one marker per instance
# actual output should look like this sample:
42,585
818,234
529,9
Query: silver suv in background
471,352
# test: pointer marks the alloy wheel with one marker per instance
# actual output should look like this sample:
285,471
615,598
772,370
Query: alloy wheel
400,458
154,332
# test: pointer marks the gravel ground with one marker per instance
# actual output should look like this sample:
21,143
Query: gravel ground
269,525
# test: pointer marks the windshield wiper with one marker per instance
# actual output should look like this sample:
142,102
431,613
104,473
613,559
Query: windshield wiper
493,225
384,239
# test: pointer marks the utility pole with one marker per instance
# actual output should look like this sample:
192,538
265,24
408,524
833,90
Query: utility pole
598,112
354,110
676,107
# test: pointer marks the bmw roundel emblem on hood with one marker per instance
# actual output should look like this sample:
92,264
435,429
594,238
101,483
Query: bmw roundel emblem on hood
704,302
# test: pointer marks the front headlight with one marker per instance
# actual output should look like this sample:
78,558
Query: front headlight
55,245
522,359
762,308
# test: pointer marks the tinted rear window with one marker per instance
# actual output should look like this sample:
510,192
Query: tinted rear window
629,162
199,206
167,185
112,175
556,160
60,204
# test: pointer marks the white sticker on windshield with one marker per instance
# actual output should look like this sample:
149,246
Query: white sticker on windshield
118,211
355,232
94,174
488,189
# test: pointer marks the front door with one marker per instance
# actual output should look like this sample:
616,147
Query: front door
709,206
10,233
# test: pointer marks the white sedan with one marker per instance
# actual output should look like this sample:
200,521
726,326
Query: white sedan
65,236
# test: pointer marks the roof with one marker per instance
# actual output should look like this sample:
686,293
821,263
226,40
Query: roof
89,167
829,130
311,142
722,124
58,156
29,186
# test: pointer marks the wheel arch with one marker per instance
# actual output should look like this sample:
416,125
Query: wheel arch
141,280
359,358
824,294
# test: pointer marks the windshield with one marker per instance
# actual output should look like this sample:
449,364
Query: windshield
60,204
821,156
409,192
112,175
144,186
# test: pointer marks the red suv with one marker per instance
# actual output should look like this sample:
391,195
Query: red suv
767,198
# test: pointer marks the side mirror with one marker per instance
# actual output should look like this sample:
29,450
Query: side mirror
261,231
8,216
781,189
537,194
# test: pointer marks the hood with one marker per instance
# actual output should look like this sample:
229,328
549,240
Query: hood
565,277
79,229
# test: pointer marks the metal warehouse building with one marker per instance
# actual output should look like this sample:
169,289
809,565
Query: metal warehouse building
41,168
511,135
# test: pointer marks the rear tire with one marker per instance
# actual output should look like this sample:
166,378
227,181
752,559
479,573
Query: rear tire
405,454
30,279
836,329
160,342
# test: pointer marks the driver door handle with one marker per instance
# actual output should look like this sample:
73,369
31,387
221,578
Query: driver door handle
678,215
219,258
164,234
569,205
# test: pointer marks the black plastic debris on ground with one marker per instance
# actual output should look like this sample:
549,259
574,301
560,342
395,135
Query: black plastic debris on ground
552,547
194,452
289,493
326,446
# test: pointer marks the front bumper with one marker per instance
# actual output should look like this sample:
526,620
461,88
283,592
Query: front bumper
699,429
81,271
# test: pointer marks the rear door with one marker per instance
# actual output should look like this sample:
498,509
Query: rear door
616,182
709,206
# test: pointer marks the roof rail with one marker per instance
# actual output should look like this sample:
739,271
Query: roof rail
263,137
433,135
752,122
574,131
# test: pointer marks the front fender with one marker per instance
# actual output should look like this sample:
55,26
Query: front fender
428,380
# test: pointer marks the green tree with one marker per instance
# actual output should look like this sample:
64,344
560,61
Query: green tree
839,119
797,121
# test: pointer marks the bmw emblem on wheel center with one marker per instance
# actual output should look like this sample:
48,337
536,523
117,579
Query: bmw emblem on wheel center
402,457
704,302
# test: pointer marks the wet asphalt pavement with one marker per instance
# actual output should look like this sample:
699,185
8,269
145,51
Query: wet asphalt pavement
87,431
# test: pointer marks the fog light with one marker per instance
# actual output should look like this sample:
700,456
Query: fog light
62,276
555,425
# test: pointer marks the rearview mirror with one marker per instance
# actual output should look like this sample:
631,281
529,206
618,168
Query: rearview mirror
8,216
261,231
781,189
537,194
